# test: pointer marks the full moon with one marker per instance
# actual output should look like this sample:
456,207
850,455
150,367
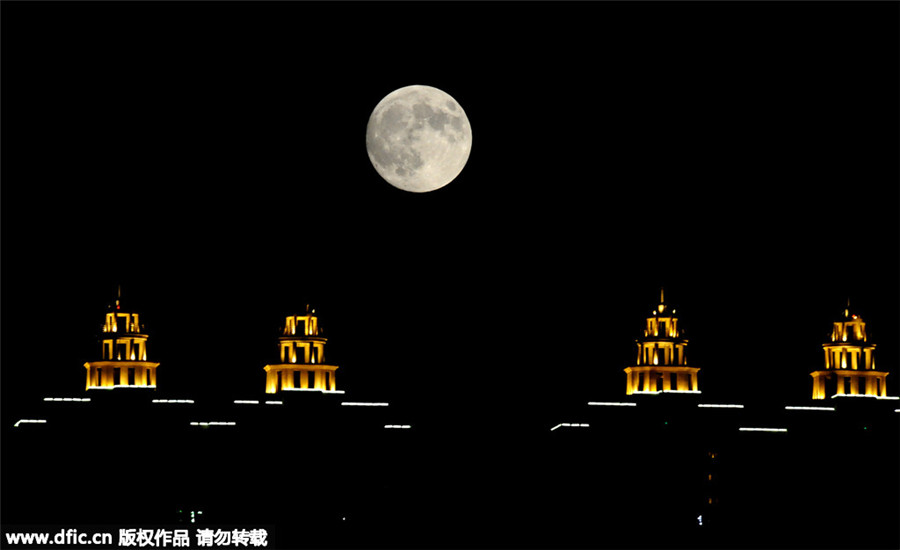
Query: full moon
418,138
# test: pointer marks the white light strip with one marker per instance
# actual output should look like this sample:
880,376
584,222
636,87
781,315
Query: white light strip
887,397
568,425
117,386
643,392
791,408
191,401
779,430
204,424
712,406
274,403
611,404
897,410
75,399
398,426
245,402
313,389
29,421
362,404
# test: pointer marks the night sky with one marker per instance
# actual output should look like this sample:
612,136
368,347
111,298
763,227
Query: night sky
210,158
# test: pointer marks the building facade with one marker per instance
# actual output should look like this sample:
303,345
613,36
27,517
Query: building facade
661,364
123,352
301,348
849,362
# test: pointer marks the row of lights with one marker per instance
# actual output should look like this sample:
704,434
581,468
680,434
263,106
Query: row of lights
214,423
121,386
701,405
74,399
732,406
313,389
29,421
888,397
657,392
569,425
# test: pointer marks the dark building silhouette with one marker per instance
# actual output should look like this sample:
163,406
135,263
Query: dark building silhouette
331,470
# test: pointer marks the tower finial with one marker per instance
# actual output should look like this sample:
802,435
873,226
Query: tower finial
847,311
661,296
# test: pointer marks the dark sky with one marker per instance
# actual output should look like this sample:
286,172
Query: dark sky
210,157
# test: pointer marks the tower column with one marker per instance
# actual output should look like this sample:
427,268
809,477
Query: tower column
304,379
333,386
667,381
317,380
694,385
854,385
628,384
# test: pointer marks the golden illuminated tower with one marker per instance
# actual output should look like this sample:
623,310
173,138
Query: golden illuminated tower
849,362
661,357
302,351
124,353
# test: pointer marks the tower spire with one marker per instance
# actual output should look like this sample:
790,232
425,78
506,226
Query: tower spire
661,296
